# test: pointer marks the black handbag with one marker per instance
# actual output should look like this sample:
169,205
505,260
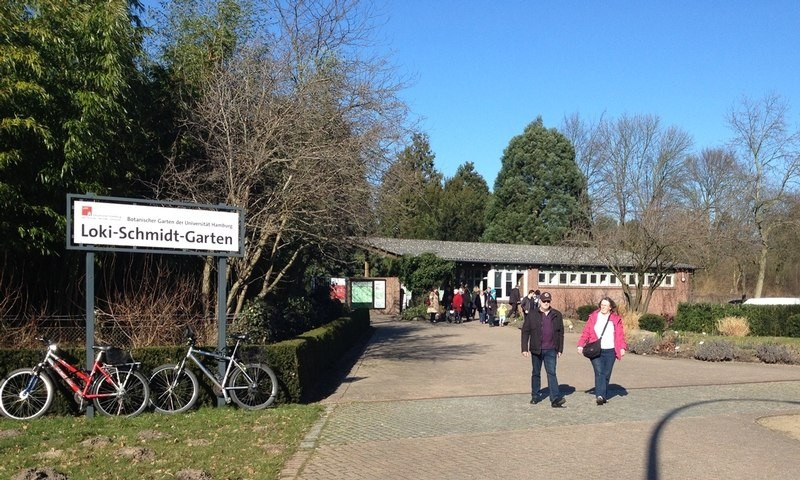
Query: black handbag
592,349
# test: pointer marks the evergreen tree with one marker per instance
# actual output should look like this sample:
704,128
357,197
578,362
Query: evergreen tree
539,190
463,205
409,195
67,68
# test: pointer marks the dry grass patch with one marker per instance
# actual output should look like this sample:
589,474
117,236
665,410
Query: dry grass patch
733,326
630,320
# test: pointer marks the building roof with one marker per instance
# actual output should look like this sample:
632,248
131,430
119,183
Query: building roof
492,253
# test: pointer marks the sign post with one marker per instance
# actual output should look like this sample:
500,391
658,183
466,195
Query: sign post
116,224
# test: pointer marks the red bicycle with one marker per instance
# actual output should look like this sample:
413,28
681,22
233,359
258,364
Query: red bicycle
113,385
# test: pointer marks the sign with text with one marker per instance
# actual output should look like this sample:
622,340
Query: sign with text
106,223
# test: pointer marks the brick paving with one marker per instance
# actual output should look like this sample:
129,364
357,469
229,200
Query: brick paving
451,401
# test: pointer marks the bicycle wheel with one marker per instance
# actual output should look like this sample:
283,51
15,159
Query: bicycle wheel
253,388
125,394
173,392
25,395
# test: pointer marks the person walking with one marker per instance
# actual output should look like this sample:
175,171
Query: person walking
466,308
502,311
513,302
455,307
605,324
477,305
490,305
529,304
543,342
432,303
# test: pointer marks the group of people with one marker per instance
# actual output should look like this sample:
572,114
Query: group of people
459,304
543,342
455,306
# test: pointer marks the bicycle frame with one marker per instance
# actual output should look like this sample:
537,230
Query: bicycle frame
219,382
65,370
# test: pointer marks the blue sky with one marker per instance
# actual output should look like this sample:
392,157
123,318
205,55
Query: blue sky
482,70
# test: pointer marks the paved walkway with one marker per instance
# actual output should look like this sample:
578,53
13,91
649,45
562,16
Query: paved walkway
451,402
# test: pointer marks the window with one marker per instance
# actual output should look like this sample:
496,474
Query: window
597,279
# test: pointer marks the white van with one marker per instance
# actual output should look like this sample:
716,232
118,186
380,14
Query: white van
773,301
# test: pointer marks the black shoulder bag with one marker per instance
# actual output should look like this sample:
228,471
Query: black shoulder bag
592,349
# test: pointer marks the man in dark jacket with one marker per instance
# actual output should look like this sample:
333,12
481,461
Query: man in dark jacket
543,341
513,301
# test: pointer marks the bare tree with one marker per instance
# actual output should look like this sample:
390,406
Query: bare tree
294,130
714,191
642,168
770,154
583,136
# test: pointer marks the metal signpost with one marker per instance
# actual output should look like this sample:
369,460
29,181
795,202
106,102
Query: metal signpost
114,224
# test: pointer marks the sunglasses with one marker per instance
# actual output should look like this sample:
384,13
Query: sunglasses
545,301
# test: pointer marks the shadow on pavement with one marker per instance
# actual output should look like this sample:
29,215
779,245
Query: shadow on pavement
337,374
402,342
652,451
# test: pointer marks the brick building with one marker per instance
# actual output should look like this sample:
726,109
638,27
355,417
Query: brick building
574,276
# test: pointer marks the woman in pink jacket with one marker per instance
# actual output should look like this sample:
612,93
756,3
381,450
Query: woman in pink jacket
612,344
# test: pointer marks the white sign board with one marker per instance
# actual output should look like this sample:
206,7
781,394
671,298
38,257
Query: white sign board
379,294
108,224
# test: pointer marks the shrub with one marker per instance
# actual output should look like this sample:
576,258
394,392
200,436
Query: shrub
793,325
585,310
775,353
630,321
254,321
652,322
666,342
715,351
733,326
415,311
695,317
643,345
764,320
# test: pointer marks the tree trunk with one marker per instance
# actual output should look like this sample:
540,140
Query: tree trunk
208,268
762,270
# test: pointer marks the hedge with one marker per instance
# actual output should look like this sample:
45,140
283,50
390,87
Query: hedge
300,363
764,320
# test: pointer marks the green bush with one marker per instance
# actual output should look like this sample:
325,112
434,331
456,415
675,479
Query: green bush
764,320
415,311
652,322
793,325
585,310
300,363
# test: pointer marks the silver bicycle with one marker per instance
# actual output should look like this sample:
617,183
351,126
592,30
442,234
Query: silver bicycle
174,387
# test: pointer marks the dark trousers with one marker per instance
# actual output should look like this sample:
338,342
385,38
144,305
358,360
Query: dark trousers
602,366
548,357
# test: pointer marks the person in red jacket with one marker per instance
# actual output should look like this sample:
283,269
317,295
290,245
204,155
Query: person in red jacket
612,344
458,303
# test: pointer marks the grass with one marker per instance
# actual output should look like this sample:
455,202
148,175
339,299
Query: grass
227,443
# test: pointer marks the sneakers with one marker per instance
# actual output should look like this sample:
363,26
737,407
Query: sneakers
601,400
535,400
558,403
